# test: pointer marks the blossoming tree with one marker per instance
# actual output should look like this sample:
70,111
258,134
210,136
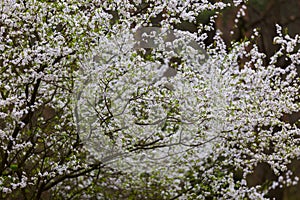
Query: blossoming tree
118,100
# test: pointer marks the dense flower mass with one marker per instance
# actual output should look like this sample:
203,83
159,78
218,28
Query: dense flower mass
122,100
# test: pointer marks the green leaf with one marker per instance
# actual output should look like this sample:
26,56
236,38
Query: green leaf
14,166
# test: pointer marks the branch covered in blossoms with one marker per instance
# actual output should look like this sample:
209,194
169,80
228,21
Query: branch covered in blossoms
118,100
